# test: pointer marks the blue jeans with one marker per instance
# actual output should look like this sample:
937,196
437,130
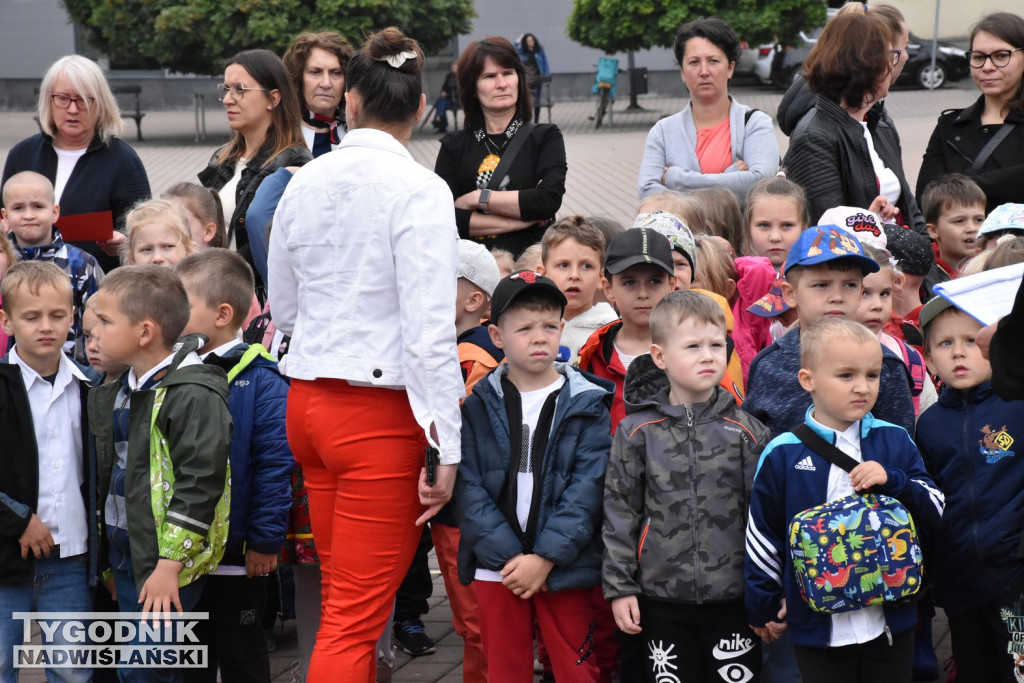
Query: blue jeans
60,585
128,601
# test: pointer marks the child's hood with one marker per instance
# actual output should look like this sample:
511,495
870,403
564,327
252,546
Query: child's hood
647,386
45,252
187,368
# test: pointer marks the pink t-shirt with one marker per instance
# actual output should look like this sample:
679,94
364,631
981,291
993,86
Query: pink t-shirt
714,148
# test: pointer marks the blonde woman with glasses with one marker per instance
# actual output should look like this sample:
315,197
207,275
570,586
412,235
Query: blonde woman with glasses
81,152
985,141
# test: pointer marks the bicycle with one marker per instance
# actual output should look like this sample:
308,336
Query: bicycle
605,81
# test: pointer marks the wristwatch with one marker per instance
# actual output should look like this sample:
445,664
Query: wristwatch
485,196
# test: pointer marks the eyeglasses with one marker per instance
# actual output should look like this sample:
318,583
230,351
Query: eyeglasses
1000,58
63,101
896,56
237,91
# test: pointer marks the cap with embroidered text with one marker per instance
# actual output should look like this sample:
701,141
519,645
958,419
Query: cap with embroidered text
639,246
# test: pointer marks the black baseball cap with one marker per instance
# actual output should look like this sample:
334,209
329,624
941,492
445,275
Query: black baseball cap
514,285
912,250
639,246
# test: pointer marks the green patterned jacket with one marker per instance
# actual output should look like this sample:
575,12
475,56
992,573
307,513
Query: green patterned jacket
195,425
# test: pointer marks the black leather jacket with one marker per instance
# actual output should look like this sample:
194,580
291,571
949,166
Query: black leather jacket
216,175
829,158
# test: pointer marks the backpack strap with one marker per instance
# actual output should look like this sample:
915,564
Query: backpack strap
499,179
813,440
916,366
991,145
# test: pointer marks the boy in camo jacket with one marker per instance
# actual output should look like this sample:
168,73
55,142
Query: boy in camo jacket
676,495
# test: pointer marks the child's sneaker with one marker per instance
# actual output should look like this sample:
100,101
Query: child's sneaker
413,639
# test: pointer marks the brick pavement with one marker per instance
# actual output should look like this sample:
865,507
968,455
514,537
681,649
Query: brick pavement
602,181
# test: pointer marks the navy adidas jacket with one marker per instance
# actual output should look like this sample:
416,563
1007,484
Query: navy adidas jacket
781,491
968,440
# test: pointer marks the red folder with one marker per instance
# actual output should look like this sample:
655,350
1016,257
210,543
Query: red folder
97,226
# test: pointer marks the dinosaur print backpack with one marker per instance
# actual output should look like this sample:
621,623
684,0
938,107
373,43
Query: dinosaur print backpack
854,552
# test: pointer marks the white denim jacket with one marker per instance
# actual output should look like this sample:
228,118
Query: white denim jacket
362,272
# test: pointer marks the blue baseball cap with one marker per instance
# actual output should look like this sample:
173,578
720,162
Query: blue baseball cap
824,243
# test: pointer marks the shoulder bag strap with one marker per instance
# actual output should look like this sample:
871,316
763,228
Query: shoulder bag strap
812,440
499,179
991,145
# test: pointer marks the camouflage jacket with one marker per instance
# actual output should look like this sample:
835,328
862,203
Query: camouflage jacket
676,494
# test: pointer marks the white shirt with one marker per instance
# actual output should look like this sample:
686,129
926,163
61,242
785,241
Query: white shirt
624,358
134,382
227,193
57,422
532,404
888,183
362,269
867,623
66,160
220,350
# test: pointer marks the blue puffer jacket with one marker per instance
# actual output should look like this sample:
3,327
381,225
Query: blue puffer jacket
571,492
261,461
968,441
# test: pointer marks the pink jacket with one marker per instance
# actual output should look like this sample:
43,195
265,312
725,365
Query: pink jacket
750,333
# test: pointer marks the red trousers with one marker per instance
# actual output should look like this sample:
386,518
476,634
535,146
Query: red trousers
361,452
465,612
566,624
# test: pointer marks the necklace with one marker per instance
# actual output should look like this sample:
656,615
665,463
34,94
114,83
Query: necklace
493,147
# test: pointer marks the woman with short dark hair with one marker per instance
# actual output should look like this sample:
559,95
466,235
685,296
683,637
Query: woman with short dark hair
845,152
715,141
363,269
997,67
511,211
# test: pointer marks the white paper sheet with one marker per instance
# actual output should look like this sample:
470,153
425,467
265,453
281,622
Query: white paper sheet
987,296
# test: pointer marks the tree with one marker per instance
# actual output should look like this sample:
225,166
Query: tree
197,36
629,25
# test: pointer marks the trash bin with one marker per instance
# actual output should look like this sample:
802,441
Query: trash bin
638,81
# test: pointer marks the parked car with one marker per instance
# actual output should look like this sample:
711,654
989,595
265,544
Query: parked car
751,59
763,65
950,62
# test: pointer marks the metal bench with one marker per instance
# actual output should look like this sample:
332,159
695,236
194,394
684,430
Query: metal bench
545,93
135,113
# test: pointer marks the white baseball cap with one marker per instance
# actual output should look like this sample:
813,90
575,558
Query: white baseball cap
865,225
477,265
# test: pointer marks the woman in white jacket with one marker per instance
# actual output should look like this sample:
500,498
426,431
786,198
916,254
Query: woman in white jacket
362,269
